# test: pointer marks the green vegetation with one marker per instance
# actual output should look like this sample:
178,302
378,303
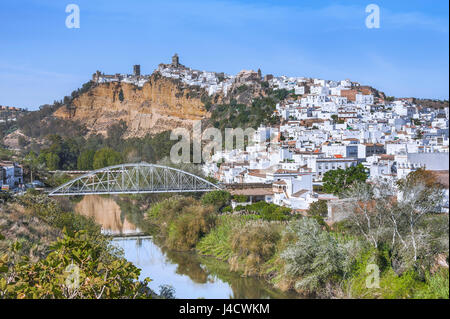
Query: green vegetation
254,244
48,252
217,198
259,112
181,221
398,242
86,160
246,242
337,181
316,258
319,208
217,243
77,267
96,151
106,157
267,211
121,98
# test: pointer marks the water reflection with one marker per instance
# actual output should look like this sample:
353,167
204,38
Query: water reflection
107,213
155,264
191,275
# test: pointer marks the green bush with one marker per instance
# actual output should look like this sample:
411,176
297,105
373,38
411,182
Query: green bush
391,285
269,211
436,286
227,209
316,258
106,157
240,198
181,221
218,242
254,243
96,268
194,223
319,208
217,198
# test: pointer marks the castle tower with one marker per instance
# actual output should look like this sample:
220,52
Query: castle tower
96,76
175,61
137,70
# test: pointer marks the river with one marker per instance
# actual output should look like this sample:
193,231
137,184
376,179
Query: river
190,275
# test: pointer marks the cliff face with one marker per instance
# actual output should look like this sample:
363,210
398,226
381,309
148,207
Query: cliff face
161,104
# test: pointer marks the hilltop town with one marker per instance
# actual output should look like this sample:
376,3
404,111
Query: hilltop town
321,126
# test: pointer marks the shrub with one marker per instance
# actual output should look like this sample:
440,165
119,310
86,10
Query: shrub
240,198
181,221
106,157
254,243
319,208
95,267
218,242
227,209
216,198
316,258
195,222
273,212
437,285
269,211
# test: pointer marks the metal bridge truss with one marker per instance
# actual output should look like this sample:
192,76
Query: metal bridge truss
134,179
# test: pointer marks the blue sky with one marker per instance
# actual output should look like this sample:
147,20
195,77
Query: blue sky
41,60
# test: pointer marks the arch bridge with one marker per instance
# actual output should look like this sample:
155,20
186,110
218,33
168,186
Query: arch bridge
134,179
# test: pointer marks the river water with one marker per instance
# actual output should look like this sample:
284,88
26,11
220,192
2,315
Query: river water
190,275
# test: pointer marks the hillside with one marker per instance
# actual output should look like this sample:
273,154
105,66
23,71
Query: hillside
159,105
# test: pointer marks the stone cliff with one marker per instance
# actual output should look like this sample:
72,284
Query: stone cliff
161,104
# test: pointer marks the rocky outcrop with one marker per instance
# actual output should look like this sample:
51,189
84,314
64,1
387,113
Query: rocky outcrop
161,104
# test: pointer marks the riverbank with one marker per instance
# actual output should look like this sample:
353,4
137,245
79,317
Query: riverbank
47,252
296,253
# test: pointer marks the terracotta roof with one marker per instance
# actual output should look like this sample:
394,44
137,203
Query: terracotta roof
256,172
387,157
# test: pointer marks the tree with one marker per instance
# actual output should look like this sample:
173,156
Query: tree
391,216
419,194
366,208
216,198
319,208
335,118
121,98
85,160
22,141
52,161
336,181
32,163
115,133
106,157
